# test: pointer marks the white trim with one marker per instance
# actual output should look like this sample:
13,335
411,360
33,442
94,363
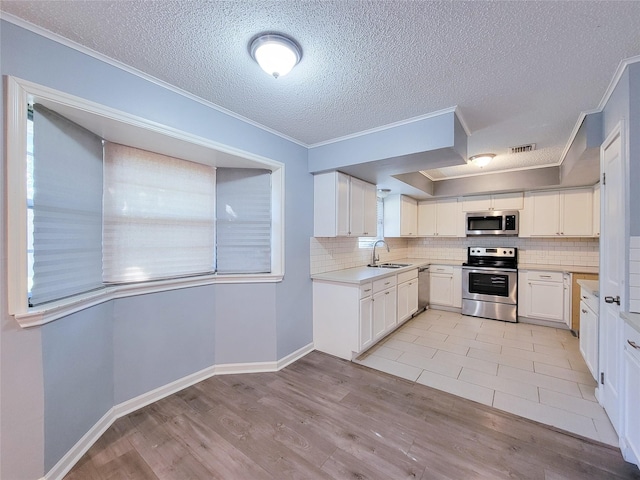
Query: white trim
462,121
68,461
49,312
138,73
389,126
19,94
236,368
297,355
478,174
603,103
614,81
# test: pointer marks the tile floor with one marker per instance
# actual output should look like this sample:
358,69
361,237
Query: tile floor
529,370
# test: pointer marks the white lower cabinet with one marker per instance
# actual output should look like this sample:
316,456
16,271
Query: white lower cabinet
589,331
630,441
407,294
349,318
544,296
445,286
366,322
384,305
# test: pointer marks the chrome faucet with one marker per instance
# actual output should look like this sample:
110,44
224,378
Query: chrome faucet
374,259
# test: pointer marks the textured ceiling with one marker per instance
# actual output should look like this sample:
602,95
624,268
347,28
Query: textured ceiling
519,72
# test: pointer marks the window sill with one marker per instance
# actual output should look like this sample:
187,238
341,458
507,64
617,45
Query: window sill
49,312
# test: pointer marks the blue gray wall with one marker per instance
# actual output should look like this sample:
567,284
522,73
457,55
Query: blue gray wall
58,380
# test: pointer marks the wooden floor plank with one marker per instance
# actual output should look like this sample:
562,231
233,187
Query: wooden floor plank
325,418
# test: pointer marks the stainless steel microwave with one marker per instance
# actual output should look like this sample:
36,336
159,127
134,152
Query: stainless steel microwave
504,222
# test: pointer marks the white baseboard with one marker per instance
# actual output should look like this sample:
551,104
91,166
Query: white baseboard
292,357
67,462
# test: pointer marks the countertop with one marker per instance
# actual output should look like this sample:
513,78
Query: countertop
360,275
558,268
592,286
632,319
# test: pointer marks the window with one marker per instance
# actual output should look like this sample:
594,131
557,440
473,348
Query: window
158,216
39,223
243,221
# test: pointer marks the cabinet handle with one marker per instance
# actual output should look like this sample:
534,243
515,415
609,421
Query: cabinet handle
583,310
584,297
545,276
633,344
387,293
368,290
387,283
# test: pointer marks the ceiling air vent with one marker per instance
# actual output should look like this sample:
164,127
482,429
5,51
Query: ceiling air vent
523,148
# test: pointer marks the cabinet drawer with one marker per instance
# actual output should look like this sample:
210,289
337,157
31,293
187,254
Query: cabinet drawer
384,283
366,290
590,300
632,336
441,269
545,276
406,276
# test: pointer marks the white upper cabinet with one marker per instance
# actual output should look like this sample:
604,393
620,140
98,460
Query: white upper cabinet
363,218
567,213
400,216
440,218
343,206
498,201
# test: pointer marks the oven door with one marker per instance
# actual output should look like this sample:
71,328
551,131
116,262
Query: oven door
490,284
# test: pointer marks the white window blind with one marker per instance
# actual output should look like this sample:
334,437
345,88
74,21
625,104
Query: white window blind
67,208
159,216
243,220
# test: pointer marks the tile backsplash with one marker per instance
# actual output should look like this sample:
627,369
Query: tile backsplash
328,254
634,274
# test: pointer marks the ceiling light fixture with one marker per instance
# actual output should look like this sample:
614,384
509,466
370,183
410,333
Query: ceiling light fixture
276,54
481,160
383,192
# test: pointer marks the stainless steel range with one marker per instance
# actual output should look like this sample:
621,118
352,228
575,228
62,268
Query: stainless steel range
490,283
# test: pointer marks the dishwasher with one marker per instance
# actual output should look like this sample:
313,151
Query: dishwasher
423,288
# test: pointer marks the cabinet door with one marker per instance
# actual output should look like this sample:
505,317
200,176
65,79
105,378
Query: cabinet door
356,213
370,210
545,214
366,322
403,301
448,218
426,219
589,338
577,213
378,312
477,203
408,217
631,412
507,201
546,300
441,289
342,205
390,309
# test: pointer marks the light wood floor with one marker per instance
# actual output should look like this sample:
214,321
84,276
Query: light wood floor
323,418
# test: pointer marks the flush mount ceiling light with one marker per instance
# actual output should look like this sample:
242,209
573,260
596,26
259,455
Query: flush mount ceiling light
383,192
276,54
481,160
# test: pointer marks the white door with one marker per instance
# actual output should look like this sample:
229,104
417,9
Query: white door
612,271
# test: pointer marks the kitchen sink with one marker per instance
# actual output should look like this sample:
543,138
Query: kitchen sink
390,265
